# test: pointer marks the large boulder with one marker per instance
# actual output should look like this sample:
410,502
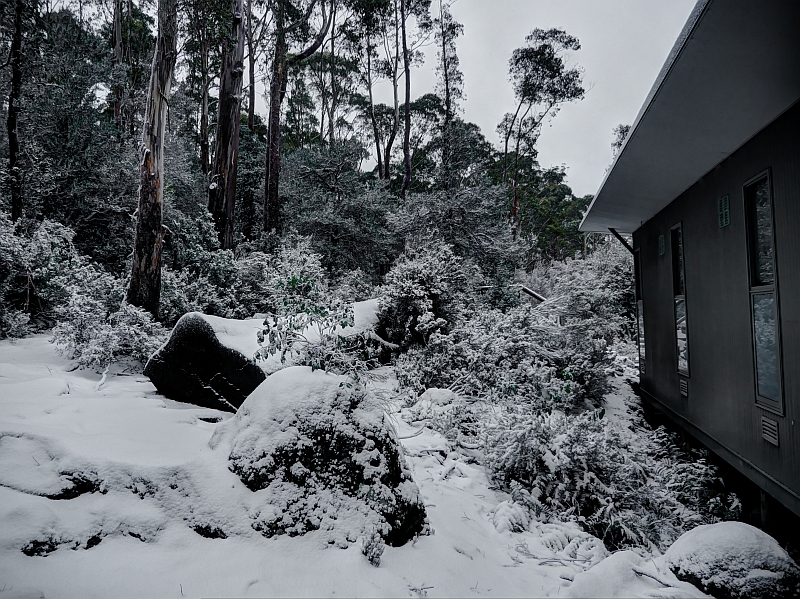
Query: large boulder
322,454
734,560
195,366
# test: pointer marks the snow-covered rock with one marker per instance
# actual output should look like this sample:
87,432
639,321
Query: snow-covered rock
322,454
208,361
733,559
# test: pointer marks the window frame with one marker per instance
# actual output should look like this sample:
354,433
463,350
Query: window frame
776,407
676,296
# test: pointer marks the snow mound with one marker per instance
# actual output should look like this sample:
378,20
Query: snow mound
733,559
627,574
321,454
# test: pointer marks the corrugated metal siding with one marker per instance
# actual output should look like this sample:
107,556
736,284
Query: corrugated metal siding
721,399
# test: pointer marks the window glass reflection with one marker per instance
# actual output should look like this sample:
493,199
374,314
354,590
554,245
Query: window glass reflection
766,346
640,318
761,210
682,337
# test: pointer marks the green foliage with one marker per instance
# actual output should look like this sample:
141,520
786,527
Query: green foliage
549,216
319,337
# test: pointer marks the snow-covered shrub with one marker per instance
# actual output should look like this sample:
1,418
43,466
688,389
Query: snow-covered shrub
427,290
95,339
44,280
35,266
319,338
323,456
353,286
598,288
289,281
208,290
522,354
626,489
296,282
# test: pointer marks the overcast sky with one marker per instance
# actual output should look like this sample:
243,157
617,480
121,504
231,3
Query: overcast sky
624,44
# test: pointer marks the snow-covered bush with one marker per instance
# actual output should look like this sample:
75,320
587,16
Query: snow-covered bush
289,281
597,288
323,456
88,334
626,489
353,286
320,338
427,290
296,281
523,354
35,266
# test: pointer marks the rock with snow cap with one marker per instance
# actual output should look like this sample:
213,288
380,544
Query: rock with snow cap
734,560
195,366
322,455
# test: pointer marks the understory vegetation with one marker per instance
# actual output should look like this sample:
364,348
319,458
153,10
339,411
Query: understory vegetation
407,203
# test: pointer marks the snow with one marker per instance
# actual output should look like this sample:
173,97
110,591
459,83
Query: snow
141,446
144,479
733,556
627,574
237,334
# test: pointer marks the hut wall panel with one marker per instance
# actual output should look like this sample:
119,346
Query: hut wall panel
721,400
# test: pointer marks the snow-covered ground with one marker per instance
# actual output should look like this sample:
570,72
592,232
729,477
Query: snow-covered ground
144,484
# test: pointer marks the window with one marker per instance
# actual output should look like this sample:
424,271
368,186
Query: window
679,295
763,296
637,266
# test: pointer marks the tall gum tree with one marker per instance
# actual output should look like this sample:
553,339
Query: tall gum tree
287,20
222,189
542,84
12,120
144,289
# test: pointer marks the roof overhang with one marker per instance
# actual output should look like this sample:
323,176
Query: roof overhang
734,69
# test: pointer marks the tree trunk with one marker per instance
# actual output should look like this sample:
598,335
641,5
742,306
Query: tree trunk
375,130
118,57
205,159
407,134
332,116
271,206
15,58
222,191
144,289
251,100
280,64
387,152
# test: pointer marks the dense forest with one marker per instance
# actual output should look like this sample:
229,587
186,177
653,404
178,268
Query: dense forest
235,158
116,143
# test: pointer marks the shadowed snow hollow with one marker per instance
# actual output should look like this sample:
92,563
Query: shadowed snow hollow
323,455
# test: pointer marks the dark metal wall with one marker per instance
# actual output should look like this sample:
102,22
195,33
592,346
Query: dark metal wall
720,408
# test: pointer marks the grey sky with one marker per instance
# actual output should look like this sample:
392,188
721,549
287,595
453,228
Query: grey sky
624,44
